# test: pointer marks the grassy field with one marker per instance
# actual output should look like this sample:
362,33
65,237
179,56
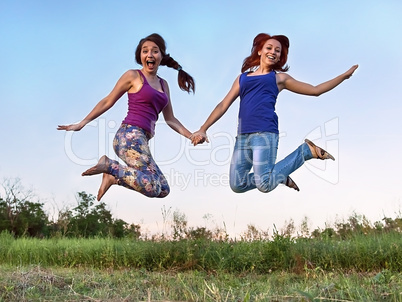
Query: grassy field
359,268
36,283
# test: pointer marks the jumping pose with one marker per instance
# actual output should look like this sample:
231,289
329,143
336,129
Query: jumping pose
148,95
263,77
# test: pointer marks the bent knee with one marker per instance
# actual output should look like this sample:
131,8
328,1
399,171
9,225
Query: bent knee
263,188
238,187
164,192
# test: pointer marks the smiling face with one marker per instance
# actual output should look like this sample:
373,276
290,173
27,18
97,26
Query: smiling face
151,57
270,53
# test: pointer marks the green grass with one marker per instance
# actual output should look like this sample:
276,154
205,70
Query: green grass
360,253
35,283
360,268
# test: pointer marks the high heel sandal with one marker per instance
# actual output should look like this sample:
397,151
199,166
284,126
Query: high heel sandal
318,152
291,184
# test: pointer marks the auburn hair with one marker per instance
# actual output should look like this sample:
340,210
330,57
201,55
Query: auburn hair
185,81
254,59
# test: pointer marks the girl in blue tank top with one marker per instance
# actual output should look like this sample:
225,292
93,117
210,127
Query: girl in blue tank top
263,77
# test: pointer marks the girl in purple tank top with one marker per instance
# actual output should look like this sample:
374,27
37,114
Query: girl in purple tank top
263,77
148,96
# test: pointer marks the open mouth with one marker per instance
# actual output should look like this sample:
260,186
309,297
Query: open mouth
150,63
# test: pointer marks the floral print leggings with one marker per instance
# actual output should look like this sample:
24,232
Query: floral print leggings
141,173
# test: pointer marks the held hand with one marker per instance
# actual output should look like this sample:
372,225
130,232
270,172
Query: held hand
73,127
350,72
199,137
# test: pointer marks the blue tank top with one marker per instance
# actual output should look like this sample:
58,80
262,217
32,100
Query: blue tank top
257,103
144,106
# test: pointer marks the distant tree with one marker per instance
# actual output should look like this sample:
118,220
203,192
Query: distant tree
393,224
199,233
119,228
288,229
32,220
304,228
327,233
133,231
253,233
89,219
19,214
61,226
179,225
5,221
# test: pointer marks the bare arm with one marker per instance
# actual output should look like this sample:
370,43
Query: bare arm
217,113
170,119
122,86
285,81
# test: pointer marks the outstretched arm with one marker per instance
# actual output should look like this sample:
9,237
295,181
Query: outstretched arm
285,81
170,119
217,113
122,86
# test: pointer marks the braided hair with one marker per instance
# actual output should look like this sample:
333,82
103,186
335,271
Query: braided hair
185,81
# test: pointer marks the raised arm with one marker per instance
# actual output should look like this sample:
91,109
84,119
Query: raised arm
217,113
123,85
170,119
285,81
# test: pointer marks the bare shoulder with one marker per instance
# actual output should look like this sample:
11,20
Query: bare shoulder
282,76
281,80
236,82
131,73
132,80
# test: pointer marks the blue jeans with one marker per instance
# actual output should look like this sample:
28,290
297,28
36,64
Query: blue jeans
258,151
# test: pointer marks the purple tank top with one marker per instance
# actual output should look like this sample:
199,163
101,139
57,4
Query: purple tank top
145,105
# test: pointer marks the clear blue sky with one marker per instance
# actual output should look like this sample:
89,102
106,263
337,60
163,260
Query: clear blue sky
59,58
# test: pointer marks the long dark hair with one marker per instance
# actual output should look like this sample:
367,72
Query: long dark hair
185,81
254,59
